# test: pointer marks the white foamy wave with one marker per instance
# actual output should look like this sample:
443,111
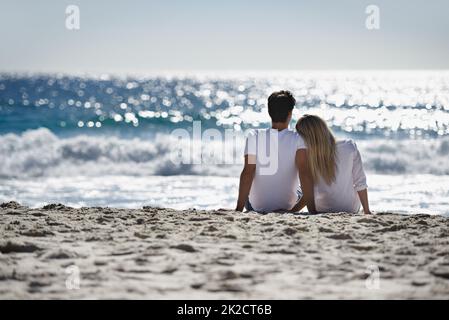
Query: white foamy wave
40,153
406,156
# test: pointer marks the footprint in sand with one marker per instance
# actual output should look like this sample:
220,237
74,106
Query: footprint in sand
12,247
340,236
184,247
59,254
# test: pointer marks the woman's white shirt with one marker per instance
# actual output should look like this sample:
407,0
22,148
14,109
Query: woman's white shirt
342,195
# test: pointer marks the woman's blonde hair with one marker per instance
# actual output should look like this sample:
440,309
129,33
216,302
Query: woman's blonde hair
321,147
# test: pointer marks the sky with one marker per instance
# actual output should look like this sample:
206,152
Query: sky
207,35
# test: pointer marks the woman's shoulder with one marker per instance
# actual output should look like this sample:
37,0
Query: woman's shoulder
347,144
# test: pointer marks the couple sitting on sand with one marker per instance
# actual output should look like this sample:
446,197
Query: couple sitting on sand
286,170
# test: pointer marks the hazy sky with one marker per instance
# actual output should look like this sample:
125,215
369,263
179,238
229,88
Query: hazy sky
167,35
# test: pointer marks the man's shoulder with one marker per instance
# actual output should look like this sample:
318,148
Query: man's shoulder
292,134
301,144
254,131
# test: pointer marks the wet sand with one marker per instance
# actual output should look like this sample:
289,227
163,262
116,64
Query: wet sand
156,253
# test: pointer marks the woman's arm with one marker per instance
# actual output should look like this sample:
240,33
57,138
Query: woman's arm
359,180
299,205
363,195
306,180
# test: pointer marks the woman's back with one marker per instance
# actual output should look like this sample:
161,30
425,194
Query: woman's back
341,195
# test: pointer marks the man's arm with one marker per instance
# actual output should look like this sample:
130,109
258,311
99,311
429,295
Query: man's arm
306,180
246,180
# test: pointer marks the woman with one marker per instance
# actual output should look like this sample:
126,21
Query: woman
339,182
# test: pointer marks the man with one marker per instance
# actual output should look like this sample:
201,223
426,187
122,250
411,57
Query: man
274,159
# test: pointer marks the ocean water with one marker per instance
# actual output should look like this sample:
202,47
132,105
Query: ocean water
108,140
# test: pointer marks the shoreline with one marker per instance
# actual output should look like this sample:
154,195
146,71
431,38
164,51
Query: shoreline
158,253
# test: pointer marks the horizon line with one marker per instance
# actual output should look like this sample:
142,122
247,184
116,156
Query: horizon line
209,72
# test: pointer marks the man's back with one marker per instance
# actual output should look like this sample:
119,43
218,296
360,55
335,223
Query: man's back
276,182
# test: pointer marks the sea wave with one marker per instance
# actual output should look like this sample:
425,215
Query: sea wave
40,153
406,156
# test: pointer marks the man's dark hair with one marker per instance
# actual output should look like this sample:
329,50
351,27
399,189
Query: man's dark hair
280,103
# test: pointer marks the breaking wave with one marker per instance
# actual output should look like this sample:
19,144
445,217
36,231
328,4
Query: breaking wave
40,153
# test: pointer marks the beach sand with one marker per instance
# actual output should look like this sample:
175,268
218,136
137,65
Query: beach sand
156,253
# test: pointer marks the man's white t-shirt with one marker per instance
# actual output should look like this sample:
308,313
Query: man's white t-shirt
341,195
276,181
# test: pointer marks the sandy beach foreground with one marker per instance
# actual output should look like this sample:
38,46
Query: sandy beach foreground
159,253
